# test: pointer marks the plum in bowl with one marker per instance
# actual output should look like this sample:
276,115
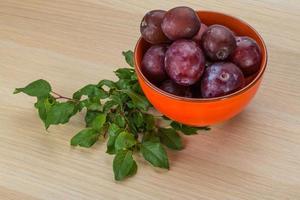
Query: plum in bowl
205,111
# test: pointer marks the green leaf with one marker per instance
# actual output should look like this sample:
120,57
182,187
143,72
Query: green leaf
187,130
151,136
134,78
170,138
119,97
150,122
129,57
124,140
84,103
204,128
95,106
43,105
130,105
133,169
139,101
124,165
90,116
39,88
109,105
108,83
166,118
113,132
137,88
124,84
120,120
90,91
99,121
176,125
85,138
91,104
124,73
154,153
132,126
60,113
138,119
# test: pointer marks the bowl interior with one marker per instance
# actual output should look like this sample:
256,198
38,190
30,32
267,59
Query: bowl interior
240,27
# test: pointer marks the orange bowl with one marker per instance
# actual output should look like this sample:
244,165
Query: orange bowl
202,111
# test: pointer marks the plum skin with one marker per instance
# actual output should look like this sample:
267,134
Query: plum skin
247,55
175,89
153,64
184,62
180,22
218,42
198,36
221,79
150,27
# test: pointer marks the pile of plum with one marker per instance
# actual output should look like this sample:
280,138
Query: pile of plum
189,59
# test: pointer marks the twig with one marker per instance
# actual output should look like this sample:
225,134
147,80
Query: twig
62,97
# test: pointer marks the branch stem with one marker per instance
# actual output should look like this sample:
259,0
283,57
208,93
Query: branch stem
62,97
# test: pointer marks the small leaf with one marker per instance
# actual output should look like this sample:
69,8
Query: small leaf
43,105
96,106
90,91
204,128
151,136
139,101
124,165
108,83
99,121
85,138
60,113
133,169
137,88
132,126
109,105
176,125
113,132
170,138
138,119
90,116
91,104
39,88
150,122
124,84
129,57
84,103
124,140
120,120
187,130
130,105
119,97
154,153
134,78
166,118
124,73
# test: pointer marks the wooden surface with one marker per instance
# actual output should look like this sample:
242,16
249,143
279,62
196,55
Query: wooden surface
256,155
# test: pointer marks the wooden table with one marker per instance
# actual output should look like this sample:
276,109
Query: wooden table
71,43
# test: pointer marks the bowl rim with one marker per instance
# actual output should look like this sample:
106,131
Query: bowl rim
236,93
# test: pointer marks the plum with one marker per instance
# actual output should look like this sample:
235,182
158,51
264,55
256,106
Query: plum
150,27
180,22
178,90
218,42
184,62
153,63
221,79
198,36
247,55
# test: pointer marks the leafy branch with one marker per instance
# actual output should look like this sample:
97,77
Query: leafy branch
117,110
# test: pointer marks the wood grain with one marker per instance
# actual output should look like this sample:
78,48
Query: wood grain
256,155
